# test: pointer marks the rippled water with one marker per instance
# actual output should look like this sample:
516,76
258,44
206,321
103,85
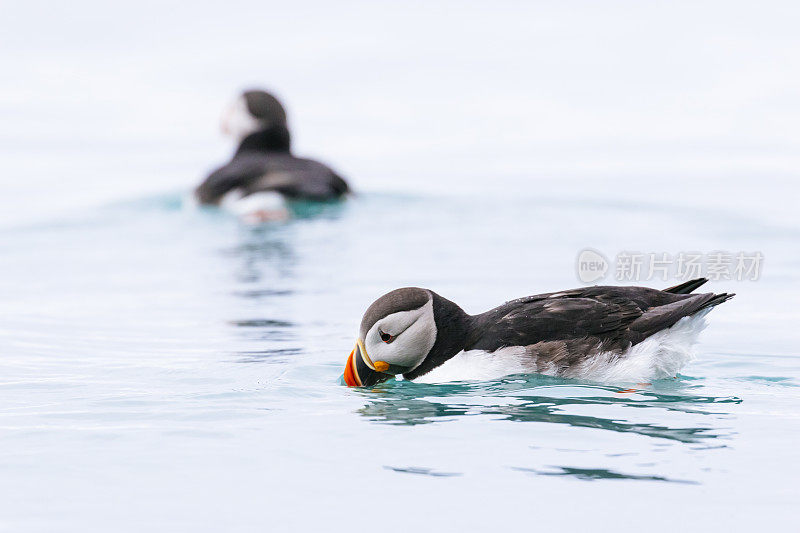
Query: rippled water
164,365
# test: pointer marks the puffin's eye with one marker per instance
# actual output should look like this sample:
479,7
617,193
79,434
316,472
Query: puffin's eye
385,337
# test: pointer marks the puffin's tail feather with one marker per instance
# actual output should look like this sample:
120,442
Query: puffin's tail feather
687,286
717,299
665,316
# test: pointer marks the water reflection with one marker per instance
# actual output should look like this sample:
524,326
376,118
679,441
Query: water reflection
266,253
261,323
265,262
539,399
594,474
254,294
272,355
277,337
262,251
422,471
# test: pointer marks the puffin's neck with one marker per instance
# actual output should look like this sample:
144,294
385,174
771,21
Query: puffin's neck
452,330
272,139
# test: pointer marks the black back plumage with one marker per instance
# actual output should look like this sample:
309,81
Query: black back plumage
616,317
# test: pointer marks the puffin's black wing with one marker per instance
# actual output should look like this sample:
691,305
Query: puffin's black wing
241,171
581,321
293,177
297,178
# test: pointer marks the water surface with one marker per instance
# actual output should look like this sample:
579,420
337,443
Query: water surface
168,365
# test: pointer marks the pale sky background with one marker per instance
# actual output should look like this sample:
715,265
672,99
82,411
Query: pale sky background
102,102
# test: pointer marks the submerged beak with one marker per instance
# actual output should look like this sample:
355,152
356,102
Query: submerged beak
360,371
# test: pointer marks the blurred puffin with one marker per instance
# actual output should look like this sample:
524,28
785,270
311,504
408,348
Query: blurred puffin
623,334
263,173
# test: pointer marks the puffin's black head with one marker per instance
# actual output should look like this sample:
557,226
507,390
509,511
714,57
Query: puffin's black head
408,331
253,111
397,332
265,107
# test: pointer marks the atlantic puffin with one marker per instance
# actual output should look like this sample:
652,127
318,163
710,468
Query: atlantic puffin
599,333
263,173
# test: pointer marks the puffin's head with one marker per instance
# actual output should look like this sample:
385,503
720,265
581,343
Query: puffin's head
250,112
397,333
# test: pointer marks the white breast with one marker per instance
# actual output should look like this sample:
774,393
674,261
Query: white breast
257,207
480,365
660,356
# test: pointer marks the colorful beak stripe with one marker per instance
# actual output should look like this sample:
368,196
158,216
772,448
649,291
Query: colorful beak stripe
350,372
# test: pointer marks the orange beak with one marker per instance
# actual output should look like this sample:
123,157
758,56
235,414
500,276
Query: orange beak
360,371
350,373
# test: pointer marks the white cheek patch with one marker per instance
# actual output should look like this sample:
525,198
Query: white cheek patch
409,348
237,120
